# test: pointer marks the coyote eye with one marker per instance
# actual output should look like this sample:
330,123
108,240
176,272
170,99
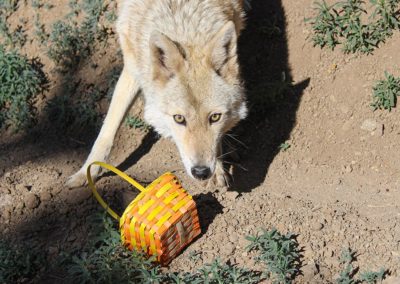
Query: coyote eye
180,119
215,117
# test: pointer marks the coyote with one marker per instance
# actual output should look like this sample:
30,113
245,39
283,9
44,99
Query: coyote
182,55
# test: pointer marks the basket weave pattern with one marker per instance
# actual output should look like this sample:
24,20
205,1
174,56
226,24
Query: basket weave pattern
161,220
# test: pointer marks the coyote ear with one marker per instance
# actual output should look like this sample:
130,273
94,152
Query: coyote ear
166,57
223,51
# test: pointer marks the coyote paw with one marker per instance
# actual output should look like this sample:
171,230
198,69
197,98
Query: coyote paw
76,180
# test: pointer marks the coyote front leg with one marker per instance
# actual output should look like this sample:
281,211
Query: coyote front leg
125,91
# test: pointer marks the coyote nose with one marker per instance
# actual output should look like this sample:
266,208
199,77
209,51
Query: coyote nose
201,172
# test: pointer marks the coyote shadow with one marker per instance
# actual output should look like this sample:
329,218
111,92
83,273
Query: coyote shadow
273,100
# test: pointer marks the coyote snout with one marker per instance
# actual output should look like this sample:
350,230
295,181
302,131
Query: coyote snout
182,55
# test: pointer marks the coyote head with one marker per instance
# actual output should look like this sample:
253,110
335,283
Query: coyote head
197,96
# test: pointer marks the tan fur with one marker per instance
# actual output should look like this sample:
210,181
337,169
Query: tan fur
182,54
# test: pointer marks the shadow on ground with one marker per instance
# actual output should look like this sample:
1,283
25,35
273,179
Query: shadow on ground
273,100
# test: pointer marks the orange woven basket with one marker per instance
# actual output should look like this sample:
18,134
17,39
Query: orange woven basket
160,221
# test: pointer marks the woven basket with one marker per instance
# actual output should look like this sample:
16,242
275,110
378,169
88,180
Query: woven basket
160,221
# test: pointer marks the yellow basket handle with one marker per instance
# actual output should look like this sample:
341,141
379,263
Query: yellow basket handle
117,172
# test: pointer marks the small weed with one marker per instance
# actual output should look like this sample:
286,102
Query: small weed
269,92
67,45
112,80
325,27
346,276
66,114
279,252
342,23
136,123
12,38
385,93
18,263
20,81
105,260
8,6
284,146
40,32
371,277
215,273
71,41
36,4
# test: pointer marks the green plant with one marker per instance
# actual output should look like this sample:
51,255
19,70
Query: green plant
18,263
215,273
112,79
270,91
342,23
20,81
385,92
67,45
280,254
105,260
136,122
284,146
325,27
66,114
347,275
372,277
8,6
71,40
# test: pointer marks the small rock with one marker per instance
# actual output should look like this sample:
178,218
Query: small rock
317,226
310,270
31,200
233,238
45,196
231,195
21,188
369,125
228,248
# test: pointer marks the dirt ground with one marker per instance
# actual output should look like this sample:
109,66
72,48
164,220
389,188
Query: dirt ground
336,186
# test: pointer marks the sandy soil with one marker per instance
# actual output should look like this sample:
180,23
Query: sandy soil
336,186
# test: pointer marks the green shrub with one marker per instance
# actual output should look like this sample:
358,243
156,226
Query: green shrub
136,123
18,263
20,82
385,92
71,41
342,23
347,274
280,254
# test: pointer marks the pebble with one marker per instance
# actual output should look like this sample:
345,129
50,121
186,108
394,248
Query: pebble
45,196
369,125
233,238
310,270
21,188
31,200
231,195
317,226
228,248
